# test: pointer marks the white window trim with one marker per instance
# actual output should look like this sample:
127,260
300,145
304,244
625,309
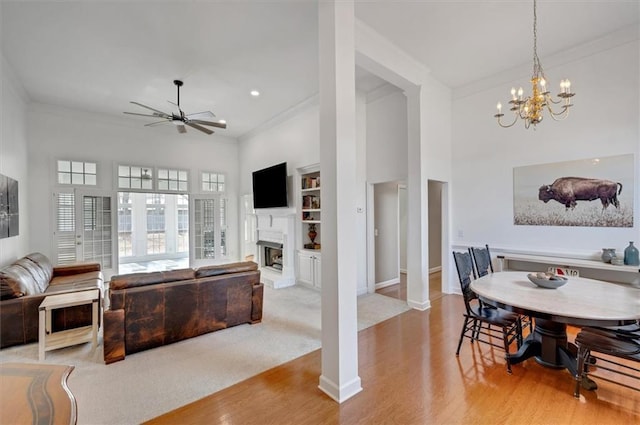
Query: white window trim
59,185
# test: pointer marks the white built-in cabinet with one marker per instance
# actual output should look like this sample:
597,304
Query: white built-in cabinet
309,268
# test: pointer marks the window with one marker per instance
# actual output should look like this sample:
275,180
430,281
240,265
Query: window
77,172
210,228
125,248
212,182
223,227
134,177
182,243
156,223
172,180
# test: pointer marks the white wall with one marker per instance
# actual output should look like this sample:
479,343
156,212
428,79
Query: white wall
13,157
295,140
59,133
387,138
603,122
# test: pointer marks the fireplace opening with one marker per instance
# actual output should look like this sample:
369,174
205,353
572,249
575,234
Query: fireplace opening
271,255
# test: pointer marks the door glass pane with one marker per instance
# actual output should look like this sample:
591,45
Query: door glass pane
204,229
97,240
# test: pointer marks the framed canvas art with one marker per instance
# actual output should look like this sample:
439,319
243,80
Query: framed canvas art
9,217
595,192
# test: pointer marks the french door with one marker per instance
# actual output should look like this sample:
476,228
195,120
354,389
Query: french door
84,222
208,230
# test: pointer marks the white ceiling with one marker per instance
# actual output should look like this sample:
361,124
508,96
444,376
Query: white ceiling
99,55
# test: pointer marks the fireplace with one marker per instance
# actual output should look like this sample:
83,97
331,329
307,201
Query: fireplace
271,254
275,247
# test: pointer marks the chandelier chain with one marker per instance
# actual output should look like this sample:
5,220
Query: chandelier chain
536,60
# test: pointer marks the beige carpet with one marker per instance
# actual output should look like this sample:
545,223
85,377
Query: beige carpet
156,381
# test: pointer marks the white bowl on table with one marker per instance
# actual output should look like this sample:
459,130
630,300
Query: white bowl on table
547,281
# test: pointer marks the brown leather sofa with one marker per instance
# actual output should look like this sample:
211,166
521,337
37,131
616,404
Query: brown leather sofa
25,283
148,310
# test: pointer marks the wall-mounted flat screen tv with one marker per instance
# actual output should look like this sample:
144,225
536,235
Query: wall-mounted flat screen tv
270,187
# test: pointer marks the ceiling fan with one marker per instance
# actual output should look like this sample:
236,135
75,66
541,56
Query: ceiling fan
197,120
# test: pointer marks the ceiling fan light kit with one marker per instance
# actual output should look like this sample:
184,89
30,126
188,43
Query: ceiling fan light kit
197,120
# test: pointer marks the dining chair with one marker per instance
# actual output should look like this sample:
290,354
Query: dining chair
499,323
482,261
622,350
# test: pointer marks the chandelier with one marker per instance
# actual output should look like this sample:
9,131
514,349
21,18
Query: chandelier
530,109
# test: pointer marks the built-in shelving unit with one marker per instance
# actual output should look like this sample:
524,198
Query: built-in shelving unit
310,207
308,265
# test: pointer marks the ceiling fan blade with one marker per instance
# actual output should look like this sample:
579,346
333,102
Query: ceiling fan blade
199,127
150,108
156,123
142,115
205,115
181,128
211,123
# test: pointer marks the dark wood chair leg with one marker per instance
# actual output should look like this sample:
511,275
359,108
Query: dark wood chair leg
464,330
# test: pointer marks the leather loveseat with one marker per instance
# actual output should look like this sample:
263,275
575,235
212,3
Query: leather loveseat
148,310
25,283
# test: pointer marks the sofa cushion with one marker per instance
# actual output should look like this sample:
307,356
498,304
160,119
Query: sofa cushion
43,263
244,266
132,280
177,275
145,278
35,271
81,278
9,288
84,281
18,277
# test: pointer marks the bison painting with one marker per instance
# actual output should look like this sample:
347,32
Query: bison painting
569,190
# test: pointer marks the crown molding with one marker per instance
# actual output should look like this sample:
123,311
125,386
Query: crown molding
621,37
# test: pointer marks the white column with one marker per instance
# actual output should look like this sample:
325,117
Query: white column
417,205
339,377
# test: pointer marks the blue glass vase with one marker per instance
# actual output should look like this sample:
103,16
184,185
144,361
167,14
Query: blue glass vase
631,255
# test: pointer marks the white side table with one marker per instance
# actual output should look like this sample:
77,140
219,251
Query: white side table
49,340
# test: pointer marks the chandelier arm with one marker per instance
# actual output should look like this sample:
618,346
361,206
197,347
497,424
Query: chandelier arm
559,116
555,102
515,119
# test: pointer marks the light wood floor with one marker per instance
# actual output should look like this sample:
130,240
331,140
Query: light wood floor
399,290
410,375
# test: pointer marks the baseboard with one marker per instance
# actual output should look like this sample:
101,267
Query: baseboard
344,393
387,283
422,306
435,269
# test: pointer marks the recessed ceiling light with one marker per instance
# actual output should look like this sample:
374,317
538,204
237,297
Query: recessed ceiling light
255,93
222,121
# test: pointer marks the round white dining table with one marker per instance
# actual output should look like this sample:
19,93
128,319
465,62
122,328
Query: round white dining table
580,302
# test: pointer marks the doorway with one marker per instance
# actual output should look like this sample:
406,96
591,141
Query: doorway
435,238
153,231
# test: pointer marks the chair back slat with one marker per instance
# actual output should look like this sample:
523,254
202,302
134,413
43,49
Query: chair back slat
482,260
466,274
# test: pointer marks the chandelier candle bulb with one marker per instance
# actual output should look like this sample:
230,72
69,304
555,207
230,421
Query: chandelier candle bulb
499,106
